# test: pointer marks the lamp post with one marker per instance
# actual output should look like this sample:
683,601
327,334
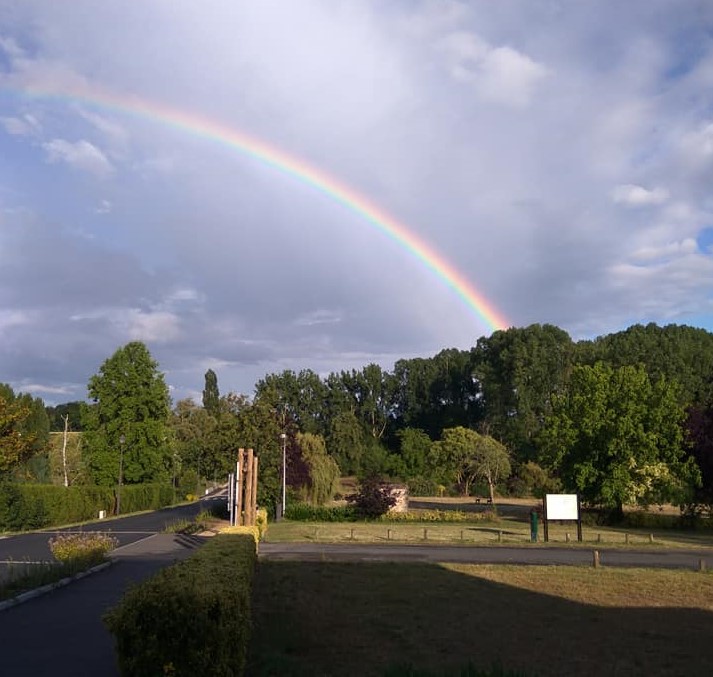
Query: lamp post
283,437
122,439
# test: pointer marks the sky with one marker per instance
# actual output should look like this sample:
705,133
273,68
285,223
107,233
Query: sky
555,156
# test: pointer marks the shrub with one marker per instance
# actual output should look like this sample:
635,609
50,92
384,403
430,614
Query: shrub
373,499
188,482
439,516
189,618
261,522
303,512
86,546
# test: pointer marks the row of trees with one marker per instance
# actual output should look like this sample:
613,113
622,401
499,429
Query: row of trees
624,418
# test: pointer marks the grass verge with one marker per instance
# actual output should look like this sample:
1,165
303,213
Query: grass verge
327,618
23,576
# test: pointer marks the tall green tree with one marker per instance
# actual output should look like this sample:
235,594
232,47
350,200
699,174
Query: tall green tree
130,399
520,371
211,394
616,438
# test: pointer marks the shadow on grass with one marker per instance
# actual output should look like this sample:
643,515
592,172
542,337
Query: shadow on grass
329,618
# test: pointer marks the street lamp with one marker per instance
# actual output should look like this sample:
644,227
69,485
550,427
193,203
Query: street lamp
283,437
122,439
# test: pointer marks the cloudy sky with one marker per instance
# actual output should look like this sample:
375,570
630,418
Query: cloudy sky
558,154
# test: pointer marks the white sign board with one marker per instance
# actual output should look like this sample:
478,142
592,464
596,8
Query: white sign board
561,507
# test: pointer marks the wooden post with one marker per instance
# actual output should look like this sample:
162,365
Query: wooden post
626,539
351,537
248,487
239,488
566,537
651,538
595,559
388,534
500,536
461,534
253,493
599,538
425,534
701,564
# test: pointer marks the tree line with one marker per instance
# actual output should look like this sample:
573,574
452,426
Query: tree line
624,418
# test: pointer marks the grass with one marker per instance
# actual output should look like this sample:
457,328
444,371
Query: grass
23,576
500,531
327,618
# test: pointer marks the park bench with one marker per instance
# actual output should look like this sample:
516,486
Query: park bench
489,501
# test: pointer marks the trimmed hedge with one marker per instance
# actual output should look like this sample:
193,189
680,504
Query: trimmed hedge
35,506
439,516
192,618
304,512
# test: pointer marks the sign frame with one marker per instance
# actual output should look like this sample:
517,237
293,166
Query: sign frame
561,508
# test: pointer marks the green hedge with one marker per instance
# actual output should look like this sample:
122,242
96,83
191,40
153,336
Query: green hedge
192,618
304,512
35,506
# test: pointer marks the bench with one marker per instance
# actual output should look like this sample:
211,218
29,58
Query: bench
489,501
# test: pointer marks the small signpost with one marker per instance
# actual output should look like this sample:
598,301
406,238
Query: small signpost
561,507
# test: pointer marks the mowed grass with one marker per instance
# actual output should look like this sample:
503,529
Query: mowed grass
329,618
499,531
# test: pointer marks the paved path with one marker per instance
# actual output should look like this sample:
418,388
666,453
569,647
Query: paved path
676,559
61,633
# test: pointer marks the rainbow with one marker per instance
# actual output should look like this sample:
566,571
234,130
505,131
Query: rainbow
292,166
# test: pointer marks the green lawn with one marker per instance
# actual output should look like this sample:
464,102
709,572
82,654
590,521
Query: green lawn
329,618
503,531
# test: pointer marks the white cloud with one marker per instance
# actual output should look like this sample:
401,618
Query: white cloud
638,196
81,155
499,74
25,125
104,207
158,327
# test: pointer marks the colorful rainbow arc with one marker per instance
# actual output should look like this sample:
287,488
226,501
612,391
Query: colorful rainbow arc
297,168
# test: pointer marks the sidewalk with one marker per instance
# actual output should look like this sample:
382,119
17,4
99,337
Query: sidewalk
61,633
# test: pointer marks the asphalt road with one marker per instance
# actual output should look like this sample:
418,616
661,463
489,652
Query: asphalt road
34,546
659,558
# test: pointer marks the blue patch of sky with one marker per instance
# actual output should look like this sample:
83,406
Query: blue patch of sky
705,241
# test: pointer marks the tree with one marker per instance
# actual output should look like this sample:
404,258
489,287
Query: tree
322,468
30,426
616,438
491,461
699,432
211,395
414,447
130,400
451,458
14,447
520,370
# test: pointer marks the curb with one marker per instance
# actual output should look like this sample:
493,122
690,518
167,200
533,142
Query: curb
37,592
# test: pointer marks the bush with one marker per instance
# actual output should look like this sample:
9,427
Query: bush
439,516
304,512
261,522
188,483
189,618
84,547
373,499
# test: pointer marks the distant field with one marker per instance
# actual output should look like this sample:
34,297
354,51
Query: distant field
357,619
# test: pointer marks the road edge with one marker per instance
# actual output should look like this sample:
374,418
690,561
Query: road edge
43,590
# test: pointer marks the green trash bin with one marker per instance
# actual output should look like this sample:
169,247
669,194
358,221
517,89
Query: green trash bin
533,525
